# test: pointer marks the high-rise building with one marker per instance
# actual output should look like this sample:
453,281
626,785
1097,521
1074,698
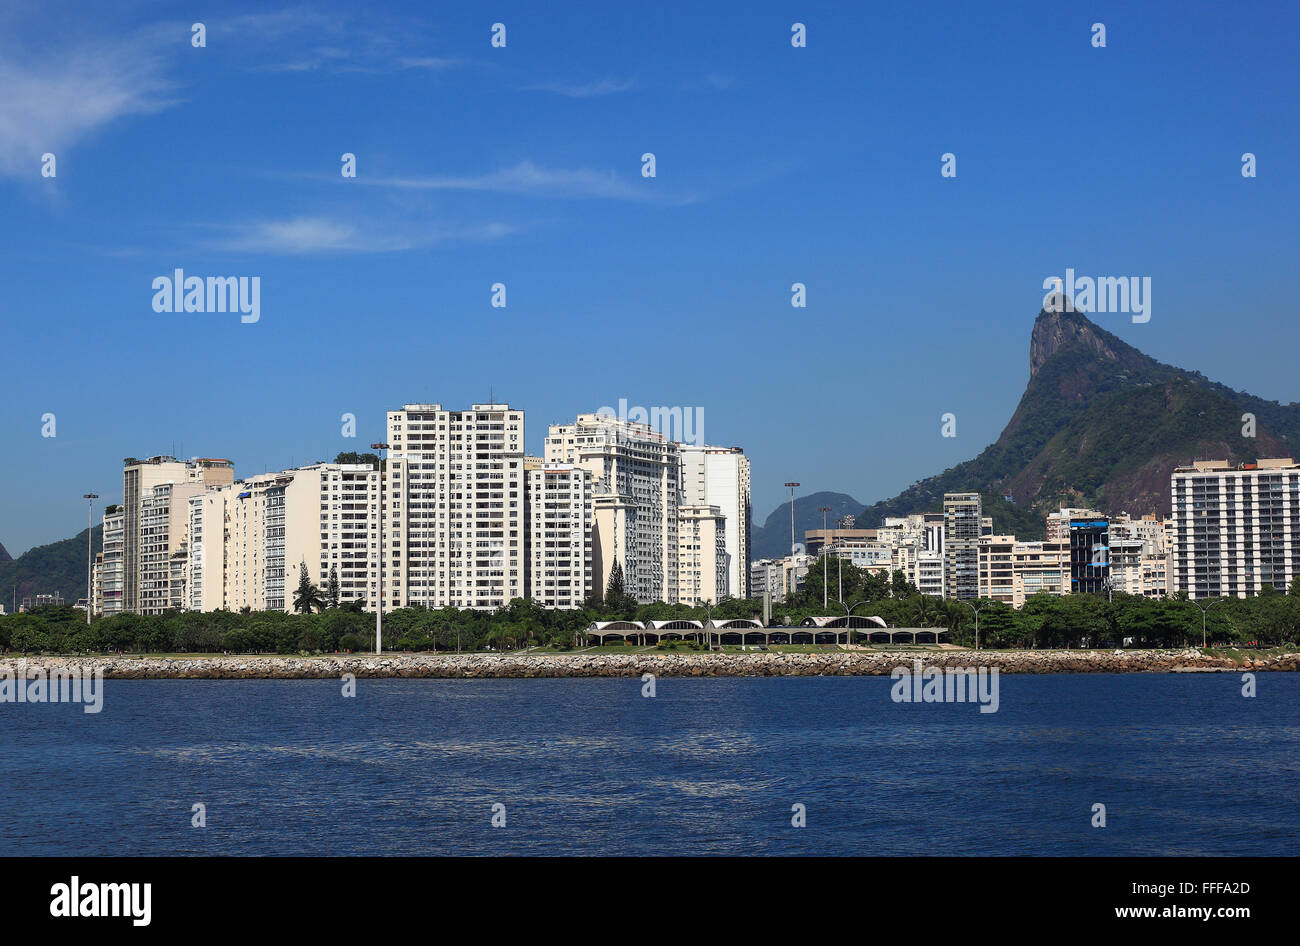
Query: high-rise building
1089,555
1235,529
454,507
163,541
559,517
139,476
962,526
635,477
702,560
111,570
249,540
719,476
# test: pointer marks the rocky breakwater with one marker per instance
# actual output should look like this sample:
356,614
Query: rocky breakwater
759,664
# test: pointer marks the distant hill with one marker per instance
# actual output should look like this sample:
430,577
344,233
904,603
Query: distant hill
1103,425
772,538
59,566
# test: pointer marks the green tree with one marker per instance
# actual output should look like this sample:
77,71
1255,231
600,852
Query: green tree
307,596
332,588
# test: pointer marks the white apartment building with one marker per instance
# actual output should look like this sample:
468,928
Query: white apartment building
635,475
863,553
1235,528
702,560
719,476
779,576
454,507
205,579
111,565
560,507
346,533
915,545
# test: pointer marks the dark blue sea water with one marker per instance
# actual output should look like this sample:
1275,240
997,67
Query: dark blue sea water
1183,763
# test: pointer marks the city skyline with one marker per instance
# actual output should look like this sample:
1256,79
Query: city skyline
528,173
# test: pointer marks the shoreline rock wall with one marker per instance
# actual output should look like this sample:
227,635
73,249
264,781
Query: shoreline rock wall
508,666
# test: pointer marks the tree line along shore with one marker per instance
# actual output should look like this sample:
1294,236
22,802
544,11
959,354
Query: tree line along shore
1045,622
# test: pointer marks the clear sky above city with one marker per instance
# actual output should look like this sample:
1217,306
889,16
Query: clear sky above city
522,165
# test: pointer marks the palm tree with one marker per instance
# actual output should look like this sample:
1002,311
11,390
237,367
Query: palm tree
308,595
923,610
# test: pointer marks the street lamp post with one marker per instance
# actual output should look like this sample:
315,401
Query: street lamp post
848,613
379,603
792,488
90,555
1210,602
839,524
977,623
825,594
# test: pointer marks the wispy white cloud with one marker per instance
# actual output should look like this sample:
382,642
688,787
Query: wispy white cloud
320,41
529,179
54,99
299,236
584,90
431,63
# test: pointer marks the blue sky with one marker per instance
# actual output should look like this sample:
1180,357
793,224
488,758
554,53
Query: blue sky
521,165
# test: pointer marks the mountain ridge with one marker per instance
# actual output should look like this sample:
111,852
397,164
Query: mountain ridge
1100,423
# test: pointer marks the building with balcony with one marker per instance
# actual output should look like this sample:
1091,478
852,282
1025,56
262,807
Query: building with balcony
1236,528
560,506
719,477
454,507
635,478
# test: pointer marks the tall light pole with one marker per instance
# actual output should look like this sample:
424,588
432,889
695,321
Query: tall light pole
792,488
1210,602
825,595
839,524
848,613
977,623
379,604
90,555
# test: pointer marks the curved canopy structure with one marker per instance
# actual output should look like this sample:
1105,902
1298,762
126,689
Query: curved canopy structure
856,620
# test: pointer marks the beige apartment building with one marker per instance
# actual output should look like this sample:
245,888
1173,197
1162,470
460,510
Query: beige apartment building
702,560
560,506
139,476
249,540
1012,571
635,476
454,507
162,543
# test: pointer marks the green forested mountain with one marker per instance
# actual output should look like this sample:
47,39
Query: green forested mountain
772,538
1100,424
57,567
